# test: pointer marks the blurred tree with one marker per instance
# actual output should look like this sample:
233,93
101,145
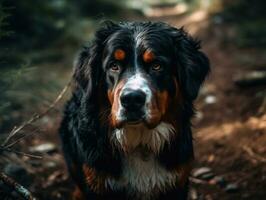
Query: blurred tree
97,8
40,23
39,31
36,23
249,19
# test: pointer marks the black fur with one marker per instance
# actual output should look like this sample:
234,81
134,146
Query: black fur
85,138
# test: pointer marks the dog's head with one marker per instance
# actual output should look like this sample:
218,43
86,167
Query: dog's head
141,71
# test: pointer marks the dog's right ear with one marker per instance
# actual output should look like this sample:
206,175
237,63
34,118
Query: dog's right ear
88,64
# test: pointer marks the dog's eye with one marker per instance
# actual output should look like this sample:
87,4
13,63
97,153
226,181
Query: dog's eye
115,67
156,67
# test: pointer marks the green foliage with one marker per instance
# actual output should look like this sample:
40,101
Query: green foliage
36,23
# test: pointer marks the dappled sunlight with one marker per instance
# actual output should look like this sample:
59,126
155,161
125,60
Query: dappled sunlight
219,131
231,129
256,123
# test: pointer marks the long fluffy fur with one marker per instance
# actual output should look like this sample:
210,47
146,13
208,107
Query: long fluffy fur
132,136
149,170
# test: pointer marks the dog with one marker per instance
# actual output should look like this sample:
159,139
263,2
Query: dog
126,131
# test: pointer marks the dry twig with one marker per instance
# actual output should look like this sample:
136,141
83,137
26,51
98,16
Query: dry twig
6,146
199,181
22,191
252,154
36,117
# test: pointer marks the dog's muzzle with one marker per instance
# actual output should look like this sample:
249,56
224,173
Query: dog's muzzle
133,102
134,99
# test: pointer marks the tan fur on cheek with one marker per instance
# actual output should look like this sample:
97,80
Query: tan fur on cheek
154,114
114,100
77,194
173,106
95,182
157,108
163,101
110,96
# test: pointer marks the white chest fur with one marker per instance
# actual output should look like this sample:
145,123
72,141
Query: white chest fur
143,176
132,136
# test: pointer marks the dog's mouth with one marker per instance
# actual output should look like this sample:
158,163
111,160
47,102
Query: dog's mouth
143,121
136,122
131,121
131,137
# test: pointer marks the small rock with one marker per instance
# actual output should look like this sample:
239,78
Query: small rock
232,187
208,197
218,180
50,164
200,171
253,78
210,99
207,176
193,194
199,115
44,148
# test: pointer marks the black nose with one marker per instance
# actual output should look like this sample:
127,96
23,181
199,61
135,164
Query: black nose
132,100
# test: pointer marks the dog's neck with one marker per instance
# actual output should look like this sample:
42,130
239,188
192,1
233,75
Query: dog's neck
138,137
142,173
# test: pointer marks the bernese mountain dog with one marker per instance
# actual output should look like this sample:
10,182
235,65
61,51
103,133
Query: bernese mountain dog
126,131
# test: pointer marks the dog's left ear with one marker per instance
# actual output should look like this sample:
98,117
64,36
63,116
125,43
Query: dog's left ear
193,65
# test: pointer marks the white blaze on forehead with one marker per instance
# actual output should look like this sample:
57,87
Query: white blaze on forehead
137,81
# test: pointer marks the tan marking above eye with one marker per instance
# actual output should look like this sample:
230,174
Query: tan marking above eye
148,56
119,54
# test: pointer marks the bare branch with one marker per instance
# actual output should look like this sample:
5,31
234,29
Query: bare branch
2,149
22,191
22,137
198,181
252,154
6,146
